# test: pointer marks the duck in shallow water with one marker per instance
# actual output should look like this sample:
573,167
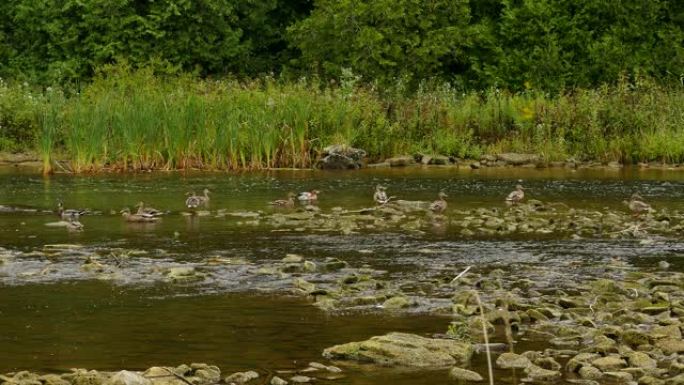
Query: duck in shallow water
380,195
308,196
194,201
440,205
138,218
69,214
142,210
516,196
637,205
289,202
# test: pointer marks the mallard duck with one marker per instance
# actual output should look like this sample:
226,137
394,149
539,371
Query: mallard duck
380,195
440,205
193,201
516,196
289,202
204,199
70,214
308,196
637,205
142,210
138,218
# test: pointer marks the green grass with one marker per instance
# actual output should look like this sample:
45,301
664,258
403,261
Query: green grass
135,120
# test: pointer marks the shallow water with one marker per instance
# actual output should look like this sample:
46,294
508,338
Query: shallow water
63,318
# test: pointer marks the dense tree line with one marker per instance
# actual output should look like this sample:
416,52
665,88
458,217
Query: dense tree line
545,44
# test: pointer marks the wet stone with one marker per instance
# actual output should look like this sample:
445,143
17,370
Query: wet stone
278,381
512,361
465,375
241,377
300,379
125,377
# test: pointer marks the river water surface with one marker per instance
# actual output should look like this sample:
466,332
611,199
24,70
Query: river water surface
54,317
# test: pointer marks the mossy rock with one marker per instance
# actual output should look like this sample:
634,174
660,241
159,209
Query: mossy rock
404,350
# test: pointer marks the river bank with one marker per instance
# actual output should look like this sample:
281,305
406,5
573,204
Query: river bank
134,120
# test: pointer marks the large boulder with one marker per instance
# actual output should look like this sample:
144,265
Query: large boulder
341,157
406,350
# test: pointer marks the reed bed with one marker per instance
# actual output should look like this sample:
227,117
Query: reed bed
135,120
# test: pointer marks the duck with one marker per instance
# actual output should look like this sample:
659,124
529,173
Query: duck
204,199
516,196
380,195
194,200
289,202
73,225
142,210
308,196
440,205
138,218
637,205
70,214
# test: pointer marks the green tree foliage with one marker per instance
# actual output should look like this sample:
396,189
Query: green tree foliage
473,44
385,39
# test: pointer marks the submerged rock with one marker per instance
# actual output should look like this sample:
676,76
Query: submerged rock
465,375
402,349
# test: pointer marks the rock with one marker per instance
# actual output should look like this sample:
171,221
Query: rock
475,165
51,379
242,377
402,349
663,265
85,377
589,372
670,331
465,375
401,161
641,360
304,285
512,361
300,379
204,374
341,157
537,374
334,264
634,338
278,381
514,159
435,160
309,267
676,380
181,273
609,363
292,258
396,303
125,377
547,363
618,376
669,346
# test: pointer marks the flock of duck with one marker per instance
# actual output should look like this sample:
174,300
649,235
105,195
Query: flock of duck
145,214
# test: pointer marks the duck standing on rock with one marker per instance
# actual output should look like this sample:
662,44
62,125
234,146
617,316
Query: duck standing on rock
289,202
68,214
440,205
637,205
138,217
380,196
516,196
308,197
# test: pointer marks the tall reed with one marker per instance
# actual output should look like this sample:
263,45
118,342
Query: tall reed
132,120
